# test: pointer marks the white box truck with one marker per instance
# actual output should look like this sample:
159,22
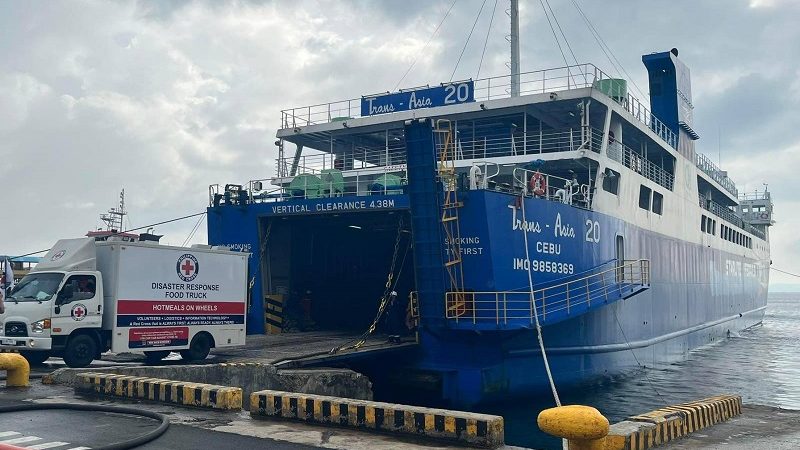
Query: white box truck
86,297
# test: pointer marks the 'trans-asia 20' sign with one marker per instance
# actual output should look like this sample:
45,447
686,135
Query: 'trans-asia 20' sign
449,94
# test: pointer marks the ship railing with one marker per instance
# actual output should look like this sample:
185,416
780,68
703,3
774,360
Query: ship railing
213,194
553,188
572,297
729,216
516,144
720,176
552,80
641,113
358,158
639,164
756,195
529,143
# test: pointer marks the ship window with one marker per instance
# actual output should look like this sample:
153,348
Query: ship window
658,203
611,181
644,197
703,224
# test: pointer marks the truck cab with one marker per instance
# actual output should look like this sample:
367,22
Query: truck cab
53,312
86,297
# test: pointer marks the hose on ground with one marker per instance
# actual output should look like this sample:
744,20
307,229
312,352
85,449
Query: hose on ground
122,445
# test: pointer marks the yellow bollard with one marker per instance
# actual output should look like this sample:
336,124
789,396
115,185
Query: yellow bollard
583,426
17,368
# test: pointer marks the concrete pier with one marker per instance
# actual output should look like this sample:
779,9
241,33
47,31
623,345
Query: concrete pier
757,427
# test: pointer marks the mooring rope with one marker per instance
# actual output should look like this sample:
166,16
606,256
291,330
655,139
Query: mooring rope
536,313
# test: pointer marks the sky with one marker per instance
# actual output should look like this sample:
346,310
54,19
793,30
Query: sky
164,98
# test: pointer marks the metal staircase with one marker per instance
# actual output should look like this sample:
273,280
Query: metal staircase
446,148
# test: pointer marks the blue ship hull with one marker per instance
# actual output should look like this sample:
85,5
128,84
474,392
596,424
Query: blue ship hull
697,294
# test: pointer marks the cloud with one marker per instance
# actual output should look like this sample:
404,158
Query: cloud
18,91
164,98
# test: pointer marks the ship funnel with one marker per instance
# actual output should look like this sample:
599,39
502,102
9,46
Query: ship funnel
671,96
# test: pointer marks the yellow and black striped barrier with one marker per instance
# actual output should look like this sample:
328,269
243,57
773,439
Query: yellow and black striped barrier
273,313
161,390
658,427
475,429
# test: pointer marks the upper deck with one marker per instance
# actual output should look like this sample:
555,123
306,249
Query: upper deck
565,121
545,81
317,126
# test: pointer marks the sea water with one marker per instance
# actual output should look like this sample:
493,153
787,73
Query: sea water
761,364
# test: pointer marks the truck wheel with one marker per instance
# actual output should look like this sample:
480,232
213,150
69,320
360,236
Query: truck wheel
155,356
80,351
198,349
35,358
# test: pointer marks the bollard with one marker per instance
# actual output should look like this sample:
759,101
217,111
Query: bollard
17,368
583,426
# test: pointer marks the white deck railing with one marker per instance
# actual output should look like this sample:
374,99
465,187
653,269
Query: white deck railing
536,82
632,160
576,296
706,165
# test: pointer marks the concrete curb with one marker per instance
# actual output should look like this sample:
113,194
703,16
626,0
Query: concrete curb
249,376
475,429
161,390
672,422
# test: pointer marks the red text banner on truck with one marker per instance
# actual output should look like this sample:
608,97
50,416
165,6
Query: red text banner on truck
165,296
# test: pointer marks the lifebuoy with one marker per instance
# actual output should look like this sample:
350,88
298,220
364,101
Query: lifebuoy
764,216
538,184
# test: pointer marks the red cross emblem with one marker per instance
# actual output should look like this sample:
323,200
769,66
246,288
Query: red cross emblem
187,267
78,312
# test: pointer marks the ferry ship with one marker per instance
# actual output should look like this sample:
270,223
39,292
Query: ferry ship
553,198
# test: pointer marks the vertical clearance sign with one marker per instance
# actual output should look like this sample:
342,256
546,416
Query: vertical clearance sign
448,94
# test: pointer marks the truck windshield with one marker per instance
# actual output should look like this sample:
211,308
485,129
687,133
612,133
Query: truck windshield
36,287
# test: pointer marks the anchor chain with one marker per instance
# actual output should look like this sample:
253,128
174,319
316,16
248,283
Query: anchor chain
388,288
261,256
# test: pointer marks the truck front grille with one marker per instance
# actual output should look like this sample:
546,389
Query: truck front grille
16,329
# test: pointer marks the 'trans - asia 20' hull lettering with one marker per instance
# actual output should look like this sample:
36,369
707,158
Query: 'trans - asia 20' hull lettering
560,228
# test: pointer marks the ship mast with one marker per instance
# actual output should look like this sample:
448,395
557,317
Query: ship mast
515,48
113,218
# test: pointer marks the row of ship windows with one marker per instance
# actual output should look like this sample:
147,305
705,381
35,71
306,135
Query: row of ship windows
709,225
649,199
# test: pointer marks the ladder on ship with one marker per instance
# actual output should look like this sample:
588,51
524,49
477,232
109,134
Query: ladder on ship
447,147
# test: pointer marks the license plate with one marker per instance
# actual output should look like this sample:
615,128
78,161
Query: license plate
8,342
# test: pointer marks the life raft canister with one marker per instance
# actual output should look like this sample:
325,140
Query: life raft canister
538,184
